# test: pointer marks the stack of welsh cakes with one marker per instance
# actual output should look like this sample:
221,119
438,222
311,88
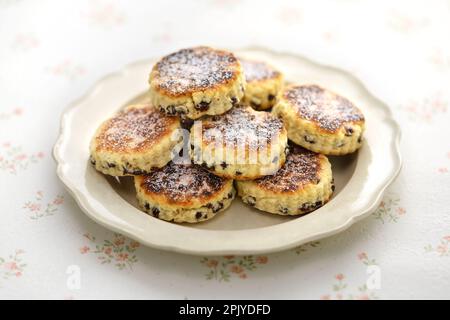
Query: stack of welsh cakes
218,123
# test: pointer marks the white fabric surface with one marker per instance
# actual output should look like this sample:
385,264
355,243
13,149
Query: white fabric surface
52,52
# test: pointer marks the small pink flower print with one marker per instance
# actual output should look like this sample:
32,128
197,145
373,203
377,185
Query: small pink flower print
442,249
364,297
389,210
67,69
339,277
119,241
440,59
406,24
365,259
14,158
18,111
362,256
329,36
58,69
12,266
122,256
39,209
134,244
428,107
262,259
119,251
35,207
58,200
21,157
105,14
84,249
212,263
228,267
341,288
444,169
40,155
25,42
236,269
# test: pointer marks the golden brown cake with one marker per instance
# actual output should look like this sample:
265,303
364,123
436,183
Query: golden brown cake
303,184
197,81
183,193
134,141
241,144
320,120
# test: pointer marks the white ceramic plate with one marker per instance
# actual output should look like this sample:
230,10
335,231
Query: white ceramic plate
360,178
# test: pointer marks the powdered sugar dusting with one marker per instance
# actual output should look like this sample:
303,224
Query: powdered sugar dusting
192,69
301,167
133,129
242,125
257,70
182,182
326,108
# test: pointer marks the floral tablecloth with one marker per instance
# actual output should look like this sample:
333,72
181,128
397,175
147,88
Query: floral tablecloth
52,52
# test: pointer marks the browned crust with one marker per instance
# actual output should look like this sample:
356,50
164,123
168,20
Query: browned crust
143,126
325,109
302,168
178,184
165,79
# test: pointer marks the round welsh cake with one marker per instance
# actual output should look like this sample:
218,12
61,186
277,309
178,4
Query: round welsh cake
183,193
241,144
197,81
134,141
302,185
320,120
